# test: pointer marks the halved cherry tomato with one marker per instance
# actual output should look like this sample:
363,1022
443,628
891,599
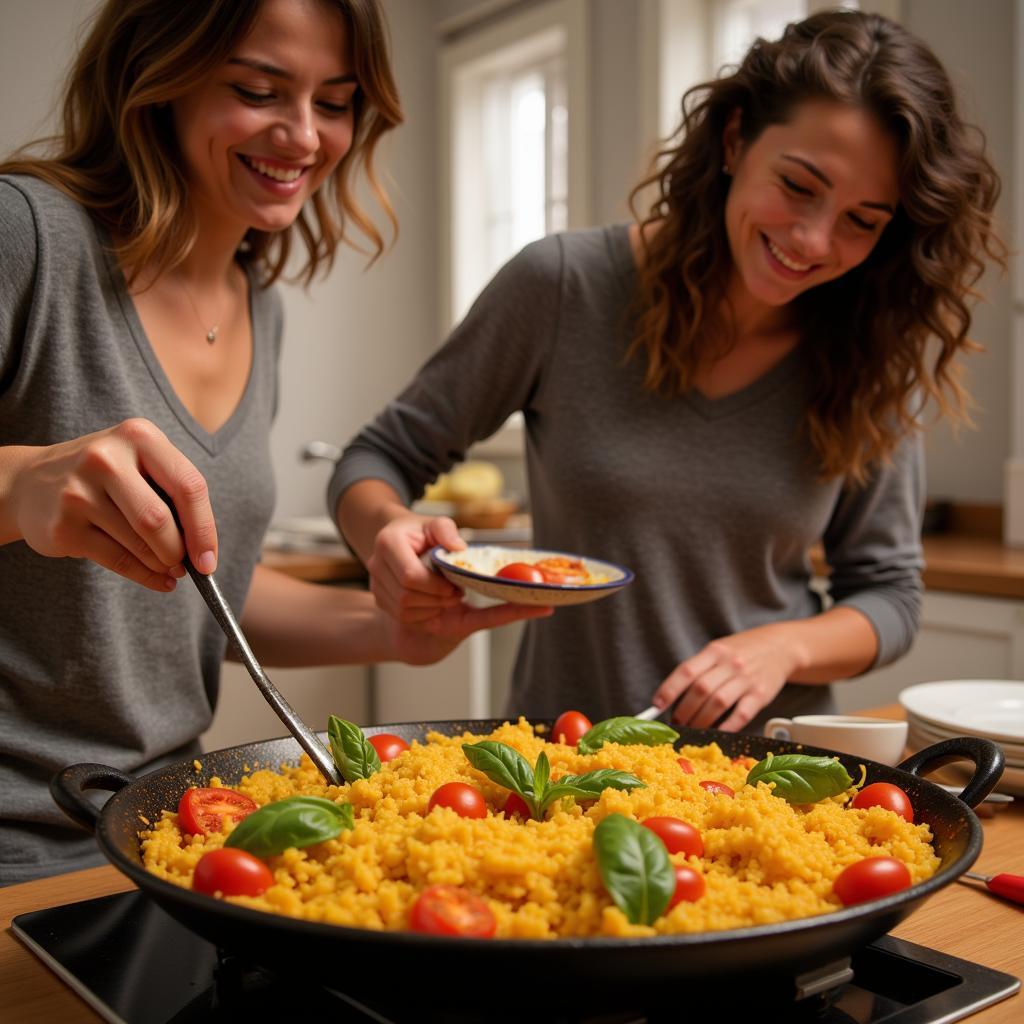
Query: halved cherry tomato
570,727
388,746
716,787
451,910
870,879
521,571
885,794
689,885
677,835
515,804
563,571
685,765
462,798
231,872
202,811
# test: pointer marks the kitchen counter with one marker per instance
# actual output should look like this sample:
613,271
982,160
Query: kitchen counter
963,919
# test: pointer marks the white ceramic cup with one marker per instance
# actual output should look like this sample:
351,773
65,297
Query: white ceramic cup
877,739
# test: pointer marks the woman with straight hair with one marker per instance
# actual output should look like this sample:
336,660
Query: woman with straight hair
711,390
204,142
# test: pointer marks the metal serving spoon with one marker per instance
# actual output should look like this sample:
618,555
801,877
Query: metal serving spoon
213,596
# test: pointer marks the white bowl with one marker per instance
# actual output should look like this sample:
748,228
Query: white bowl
475,569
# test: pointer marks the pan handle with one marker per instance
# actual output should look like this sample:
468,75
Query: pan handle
66,788
987,757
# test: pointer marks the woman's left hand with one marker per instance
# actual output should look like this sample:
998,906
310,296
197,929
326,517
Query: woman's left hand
744,672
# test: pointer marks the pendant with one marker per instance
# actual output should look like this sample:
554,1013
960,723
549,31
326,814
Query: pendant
211,334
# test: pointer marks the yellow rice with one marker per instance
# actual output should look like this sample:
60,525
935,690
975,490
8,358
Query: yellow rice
764,859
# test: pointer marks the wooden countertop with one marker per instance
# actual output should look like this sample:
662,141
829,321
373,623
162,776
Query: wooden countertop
963,919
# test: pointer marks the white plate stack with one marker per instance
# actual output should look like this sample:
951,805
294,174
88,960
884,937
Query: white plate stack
990,708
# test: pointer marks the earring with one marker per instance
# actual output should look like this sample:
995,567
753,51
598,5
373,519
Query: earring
725,169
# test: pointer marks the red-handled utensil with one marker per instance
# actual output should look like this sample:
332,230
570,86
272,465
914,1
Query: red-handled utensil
1010,887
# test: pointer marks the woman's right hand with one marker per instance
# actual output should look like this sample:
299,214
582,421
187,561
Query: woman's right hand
92,498
406,589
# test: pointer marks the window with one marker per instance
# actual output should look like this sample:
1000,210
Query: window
514,138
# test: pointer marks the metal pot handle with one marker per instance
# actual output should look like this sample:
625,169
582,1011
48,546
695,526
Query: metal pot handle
987,757
67,785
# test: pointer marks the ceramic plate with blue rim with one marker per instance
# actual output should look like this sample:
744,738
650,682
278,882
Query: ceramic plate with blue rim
477,569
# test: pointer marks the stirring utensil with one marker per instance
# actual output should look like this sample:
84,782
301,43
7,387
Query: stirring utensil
649,714
213,596
1010,887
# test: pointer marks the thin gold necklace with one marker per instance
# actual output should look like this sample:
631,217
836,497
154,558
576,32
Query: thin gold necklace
211,332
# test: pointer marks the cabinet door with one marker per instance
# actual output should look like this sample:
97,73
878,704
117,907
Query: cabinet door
961,637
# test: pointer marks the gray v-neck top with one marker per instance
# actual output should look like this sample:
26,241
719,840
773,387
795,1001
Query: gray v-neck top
92,666
713,503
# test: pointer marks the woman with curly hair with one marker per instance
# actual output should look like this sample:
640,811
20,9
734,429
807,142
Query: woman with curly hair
710,391
203,142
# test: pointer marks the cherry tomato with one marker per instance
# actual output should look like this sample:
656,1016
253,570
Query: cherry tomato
678,836
689,885
231,872
388,746
521,571
685,765
451,910
716,787
885,794
870,879
202,811
563,571
570,727
462,798
515,804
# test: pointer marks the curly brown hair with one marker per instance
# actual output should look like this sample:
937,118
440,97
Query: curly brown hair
118,154
905,308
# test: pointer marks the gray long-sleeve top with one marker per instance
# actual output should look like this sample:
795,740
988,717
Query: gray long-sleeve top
713,503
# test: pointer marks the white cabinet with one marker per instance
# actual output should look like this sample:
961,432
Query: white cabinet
961,637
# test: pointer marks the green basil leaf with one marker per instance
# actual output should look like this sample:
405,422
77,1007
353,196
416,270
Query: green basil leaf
588,786
625,730
801,778
353,752
541,777
501,764
635,868
296,821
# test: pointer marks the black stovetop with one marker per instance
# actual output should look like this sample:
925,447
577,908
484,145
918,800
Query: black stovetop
136,965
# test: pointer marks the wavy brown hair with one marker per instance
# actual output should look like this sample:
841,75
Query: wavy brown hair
118,154
905,312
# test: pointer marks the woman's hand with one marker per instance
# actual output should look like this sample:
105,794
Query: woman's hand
91,498
744,672
433,640
406,589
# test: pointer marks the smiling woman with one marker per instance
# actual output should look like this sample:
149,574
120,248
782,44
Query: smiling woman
203,142
715,388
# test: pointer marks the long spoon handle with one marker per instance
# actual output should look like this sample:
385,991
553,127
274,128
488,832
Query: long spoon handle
1010,887
213,596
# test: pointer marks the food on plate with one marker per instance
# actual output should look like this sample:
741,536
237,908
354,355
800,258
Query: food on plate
560,571
468,481
571,843
522,572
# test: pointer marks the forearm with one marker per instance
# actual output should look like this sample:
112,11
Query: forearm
291,623
364,510
837,644
12,459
